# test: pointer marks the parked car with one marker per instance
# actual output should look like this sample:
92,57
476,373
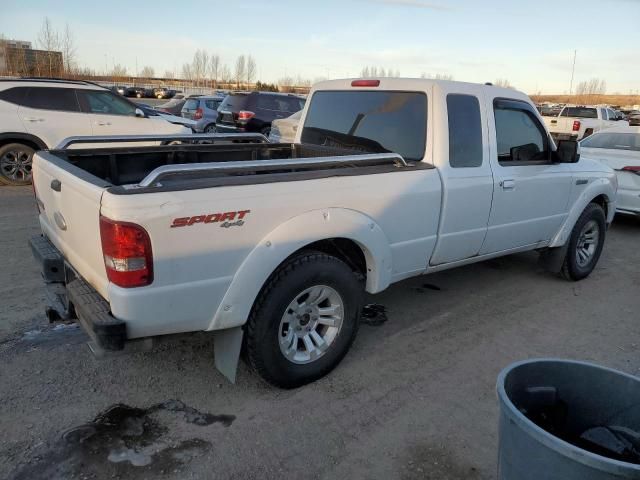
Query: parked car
154,112
175,104
578,122
283,130
137,92
119,89
39,114
634,119
282,247
204,110
254,111
619,148
163,92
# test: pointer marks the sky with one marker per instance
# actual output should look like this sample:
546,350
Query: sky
530,44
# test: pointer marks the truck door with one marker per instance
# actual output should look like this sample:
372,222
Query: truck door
531,194
464,164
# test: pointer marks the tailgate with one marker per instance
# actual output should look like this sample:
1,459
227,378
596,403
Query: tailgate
71,216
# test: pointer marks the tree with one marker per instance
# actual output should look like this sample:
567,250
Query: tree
503,82
595,86
200,66
214,63
147,72
169,74
68,50
119,71
49,40
225,74
251,69
240,70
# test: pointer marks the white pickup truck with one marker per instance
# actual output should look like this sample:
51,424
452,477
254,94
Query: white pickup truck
275,244
577,122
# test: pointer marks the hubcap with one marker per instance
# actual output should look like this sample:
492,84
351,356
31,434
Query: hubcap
587,243
16,165
310,324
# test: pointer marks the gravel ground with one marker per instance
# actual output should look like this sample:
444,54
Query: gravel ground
415,398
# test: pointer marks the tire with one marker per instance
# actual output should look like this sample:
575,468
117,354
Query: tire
211,128
266,131
15,164
585,243
273,321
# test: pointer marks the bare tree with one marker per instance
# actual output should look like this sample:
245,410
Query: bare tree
200,66
595,86
240,70
147,72
214,63
49,40
503,82
68,50
169,74
187,73
251,69
225,74
119,71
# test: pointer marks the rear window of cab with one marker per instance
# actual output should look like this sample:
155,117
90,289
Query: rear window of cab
369,121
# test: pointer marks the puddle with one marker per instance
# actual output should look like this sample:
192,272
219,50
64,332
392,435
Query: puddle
128,441
374,314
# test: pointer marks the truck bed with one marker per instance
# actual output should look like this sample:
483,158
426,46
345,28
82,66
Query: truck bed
183,166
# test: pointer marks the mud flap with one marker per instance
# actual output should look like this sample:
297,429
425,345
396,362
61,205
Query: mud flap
226,350
552,259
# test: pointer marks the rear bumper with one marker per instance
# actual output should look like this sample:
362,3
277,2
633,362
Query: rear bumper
71,297
222,128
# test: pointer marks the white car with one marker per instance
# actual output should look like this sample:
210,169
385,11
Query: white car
619,148
387,179
283,130
39,114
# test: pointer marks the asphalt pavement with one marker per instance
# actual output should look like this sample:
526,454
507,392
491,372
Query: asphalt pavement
415,397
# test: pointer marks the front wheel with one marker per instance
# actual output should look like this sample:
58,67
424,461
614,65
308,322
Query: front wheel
585,244
304,320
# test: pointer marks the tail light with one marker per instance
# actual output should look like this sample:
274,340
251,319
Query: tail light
576,125
126,249
199,114
245,115
365,83
634,169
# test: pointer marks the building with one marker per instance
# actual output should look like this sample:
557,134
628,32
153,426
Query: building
19,58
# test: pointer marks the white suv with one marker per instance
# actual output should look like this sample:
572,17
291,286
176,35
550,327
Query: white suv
37,114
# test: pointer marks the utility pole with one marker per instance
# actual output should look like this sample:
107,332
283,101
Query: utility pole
573,69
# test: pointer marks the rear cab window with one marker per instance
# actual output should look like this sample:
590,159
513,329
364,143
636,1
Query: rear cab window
368,121
580,112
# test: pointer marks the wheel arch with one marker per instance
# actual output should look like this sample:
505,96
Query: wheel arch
347,234
24,138
600,191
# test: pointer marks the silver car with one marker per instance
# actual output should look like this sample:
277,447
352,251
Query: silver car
204,111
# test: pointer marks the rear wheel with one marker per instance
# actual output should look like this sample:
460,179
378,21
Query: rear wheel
211,128
304,320
585,244
15,164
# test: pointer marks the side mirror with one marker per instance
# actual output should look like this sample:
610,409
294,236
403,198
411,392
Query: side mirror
567,152
139,113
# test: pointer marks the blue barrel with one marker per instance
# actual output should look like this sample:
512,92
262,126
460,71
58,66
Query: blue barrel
568,420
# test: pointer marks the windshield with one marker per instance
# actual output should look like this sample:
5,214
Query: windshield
233,103
613,141
367,121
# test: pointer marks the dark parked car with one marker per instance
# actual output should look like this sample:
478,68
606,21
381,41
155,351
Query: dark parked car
119,89
254,112
174,106
137,92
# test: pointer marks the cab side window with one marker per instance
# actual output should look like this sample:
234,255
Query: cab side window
465,131
520,138
47,98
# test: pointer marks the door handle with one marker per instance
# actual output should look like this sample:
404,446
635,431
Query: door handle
508,184
56,185
554,121
34,119
102,124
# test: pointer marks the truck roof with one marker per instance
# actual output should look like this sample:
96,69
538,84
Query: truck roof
414,84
